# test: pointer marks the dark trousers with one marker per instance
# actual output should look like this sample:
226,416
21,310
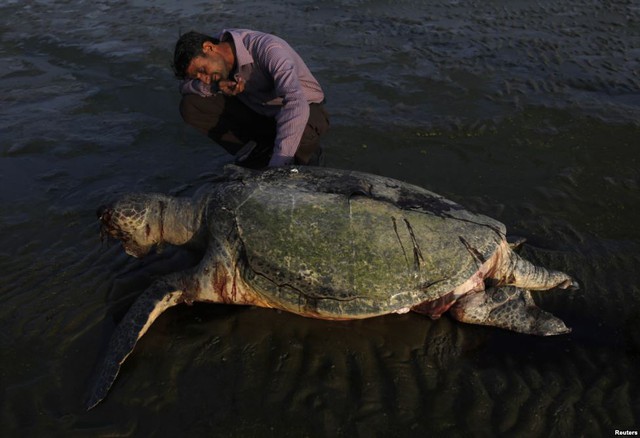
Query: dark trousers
231,124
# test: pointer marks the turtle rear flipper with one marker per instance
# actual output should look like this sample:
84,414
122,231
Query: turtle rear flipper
156,299
507,307
517,271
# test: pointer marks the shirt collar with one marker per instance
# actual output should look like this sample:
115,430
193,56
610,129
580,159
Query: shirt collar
243,57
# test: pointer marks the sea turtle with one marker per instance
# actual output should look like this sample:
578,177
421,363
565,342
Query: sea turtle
330,244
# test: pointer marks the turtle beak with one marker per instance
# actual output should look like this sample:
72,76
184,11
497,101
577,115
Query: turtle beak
104,216
101,210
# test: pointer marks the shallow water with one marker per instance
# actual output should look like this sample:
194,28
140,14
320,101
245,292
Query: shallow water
526,112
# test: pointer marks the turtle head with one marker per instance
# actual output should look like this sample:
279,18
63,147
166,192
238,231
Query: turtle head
136,220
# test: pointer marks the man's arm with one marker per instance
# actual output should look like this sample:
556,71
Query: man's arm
293,116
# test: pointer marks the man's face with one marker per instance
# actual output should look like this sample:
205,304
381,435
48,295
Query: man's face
208,68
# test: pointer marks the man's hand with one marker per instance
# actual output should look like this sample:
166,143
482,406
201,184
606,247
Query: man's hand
231,88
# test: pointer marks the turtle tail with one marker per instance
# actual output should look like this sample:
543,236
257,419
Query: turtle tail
516,271
155,300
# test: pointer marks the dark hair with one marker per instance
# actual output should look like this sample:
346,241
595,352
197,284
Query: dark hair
189,46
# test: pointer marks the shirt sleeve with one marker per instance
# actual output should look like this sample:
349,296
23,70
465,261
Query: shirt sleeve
292,118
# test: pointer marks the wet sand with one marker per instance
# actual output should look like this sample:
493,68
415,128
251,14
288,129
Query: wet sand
525,112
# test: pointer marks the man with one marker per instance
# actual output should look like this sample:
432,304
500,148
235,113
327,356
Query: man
251,93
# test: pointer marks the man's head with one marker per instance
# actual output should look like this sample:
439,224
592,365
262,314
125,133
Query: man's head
191,45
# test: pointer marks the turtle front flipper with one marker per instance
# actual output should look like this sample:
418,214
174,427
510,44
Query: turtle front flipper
507,307
155,300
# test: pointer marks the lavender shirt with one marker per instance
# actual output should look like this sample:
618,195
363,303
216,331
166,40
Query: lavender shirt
278,84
